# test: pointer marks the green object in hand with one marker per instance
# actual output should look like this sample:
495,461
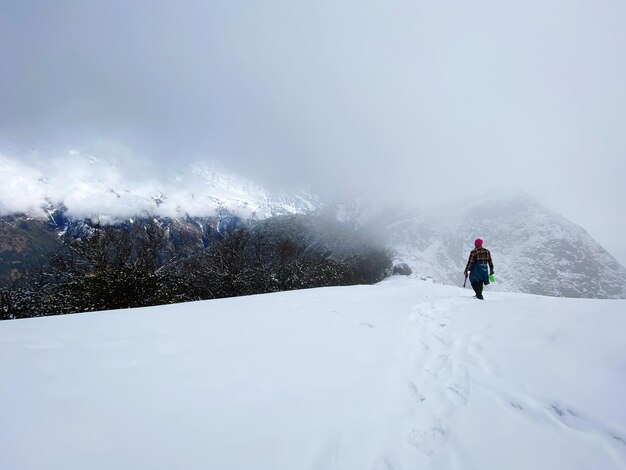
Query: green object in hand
491,278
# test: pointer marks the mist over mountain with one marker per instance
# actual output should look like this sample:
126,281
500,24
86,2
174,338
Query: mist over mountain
109,190
535,250
411,101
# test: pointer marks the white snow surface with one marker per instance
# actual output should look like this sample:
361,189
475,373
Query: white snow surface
405,374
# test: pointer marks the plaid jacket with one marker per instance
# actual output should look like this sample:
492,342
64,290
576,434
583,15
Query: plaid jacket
479,255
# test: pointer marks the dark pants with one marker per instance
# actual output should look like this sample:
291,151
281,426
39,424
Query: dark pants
478,288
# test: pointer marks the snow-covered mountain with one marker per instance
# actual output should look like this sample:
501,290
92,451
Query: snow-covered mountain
41,204
90,187
222,190
405,374
535,250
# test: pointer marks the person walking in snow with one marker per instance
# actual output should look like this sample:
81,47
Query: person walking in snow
479,266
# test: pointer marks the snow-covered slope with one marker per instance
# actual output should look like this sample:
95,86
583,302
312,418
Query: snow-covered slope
403,374
535,250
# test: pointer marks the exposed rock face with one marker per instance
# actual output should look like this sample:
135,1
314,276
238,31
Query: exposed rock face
402,269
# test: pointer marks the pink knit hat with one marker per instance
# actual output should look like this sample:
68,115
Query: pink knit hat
478,242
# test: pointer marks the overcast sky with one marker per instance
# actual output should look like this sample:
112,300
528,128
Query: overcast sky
421,101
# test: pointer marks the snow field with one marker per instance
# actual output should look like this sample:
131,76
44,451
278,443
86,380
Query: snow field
401,375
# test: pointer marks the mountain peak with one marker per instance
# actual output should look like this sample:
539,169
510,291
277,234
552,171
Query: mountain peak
535,250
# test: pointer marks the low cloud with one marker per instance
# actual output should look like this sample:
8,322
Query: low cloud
22,188
418,101
105,190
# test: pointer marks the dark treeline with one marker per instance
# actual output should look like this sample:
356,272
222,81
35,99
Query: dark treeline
140,265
